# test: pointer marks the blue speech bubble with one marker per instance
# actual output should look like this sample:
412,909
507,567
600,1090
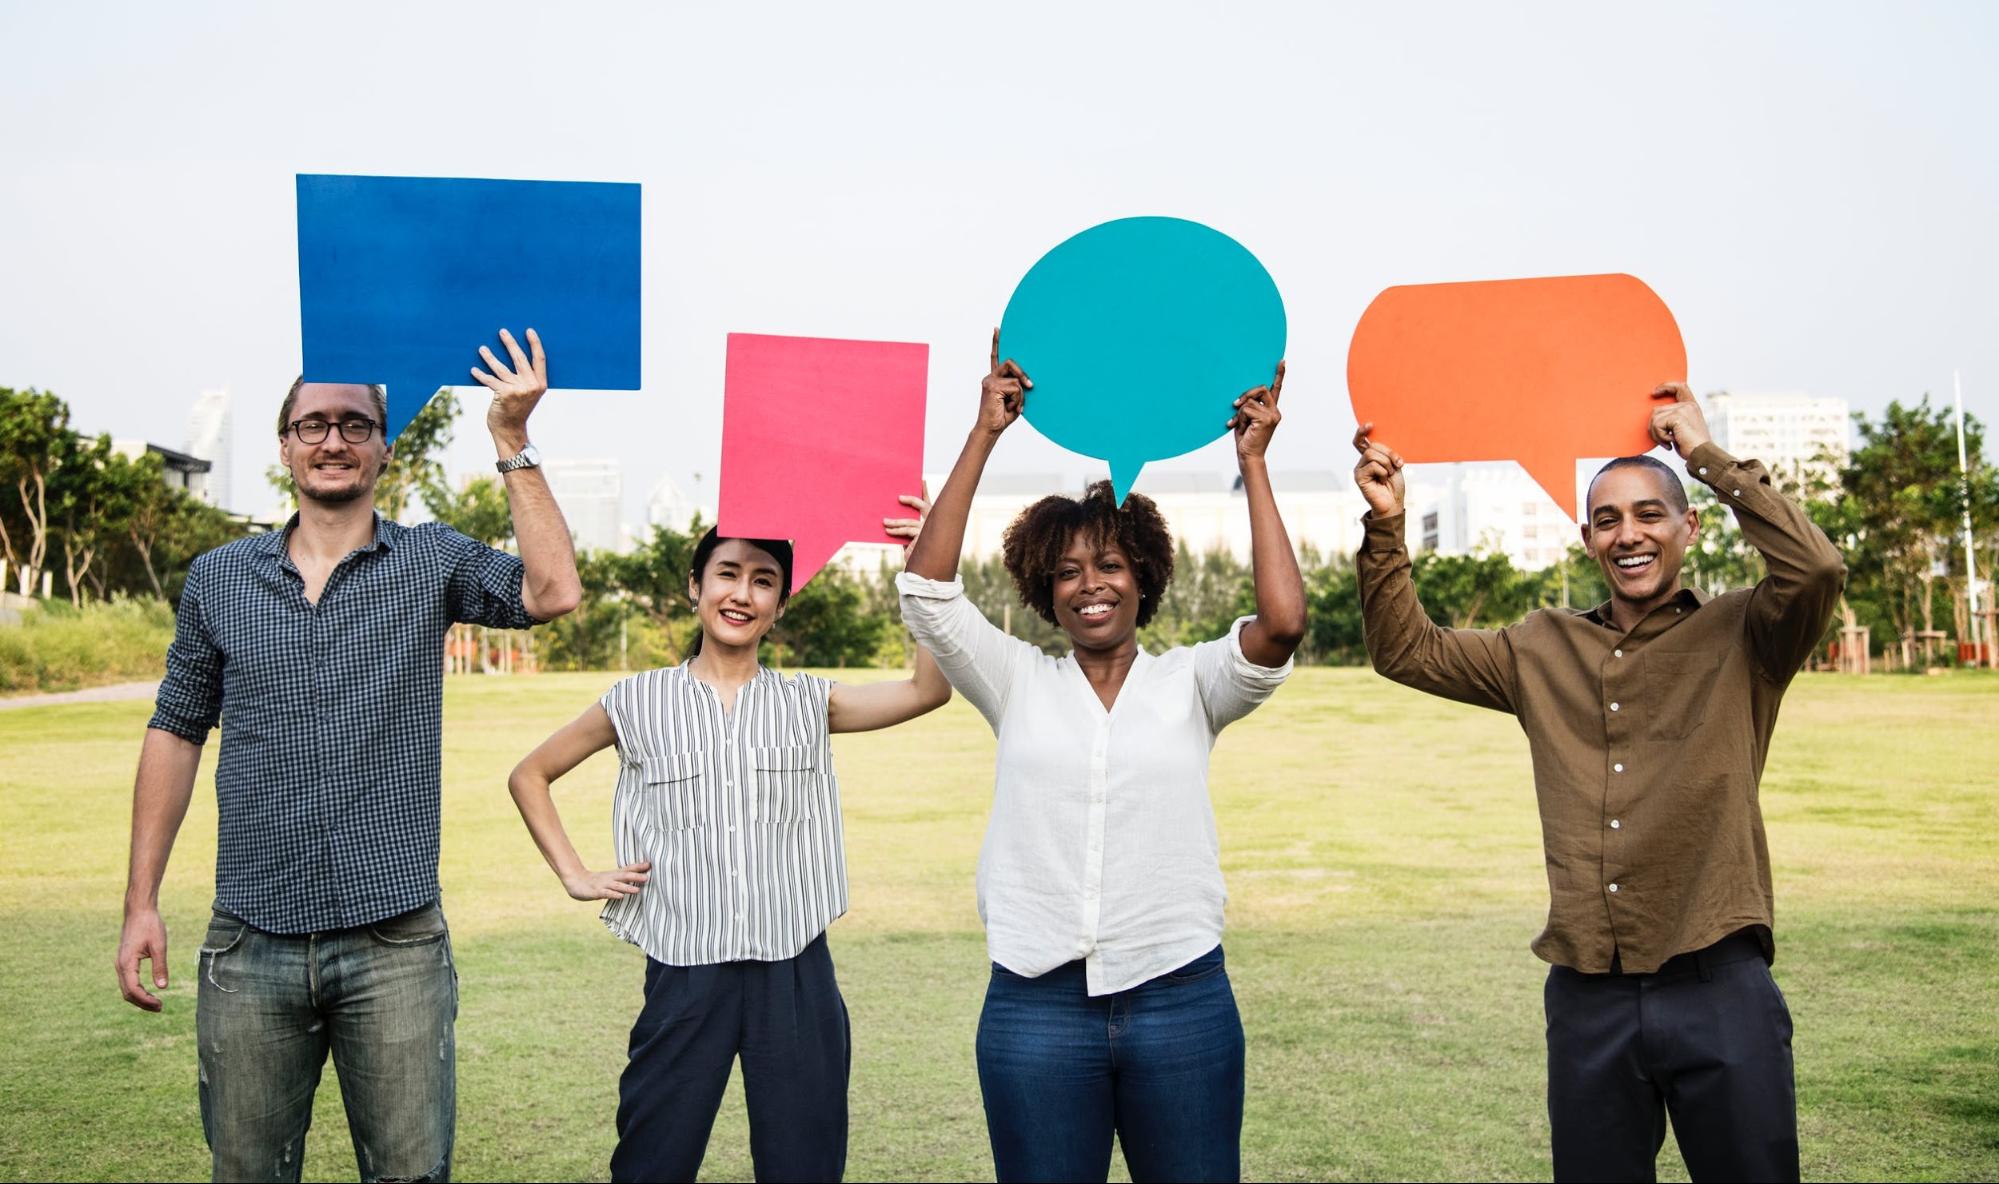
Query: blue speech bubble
1139,334
401,279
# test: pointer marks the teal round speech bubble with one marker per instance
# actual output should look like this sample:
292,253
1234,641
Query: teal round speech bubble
1139,334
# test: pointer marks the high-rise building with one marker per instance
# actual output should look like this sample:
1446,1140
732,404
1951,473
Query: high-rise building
669,506
1793,434
1488,506
211,437
591,494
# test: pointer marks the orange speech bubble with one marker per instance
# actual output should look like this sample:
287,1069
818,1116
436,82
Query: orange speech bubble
1541,371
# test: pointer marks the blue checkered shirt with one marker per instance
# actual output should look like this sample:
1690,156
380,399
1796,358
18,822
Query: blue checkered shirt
327,783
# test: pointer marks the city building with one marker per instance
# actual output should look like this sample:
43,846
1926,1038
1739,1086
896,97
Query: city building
211,436
180,471
1487,506
1794,434
591,494
671,507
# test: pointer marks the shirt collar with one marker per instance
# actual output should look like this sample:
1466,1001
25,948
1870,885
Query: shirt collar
1684,598
276,542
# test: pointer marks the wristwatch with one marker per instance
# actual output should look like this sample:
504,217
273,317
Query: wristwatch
527,458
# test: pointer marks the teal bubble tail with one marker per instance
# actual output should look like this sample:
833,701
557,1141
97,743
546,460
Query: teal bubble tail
1124,474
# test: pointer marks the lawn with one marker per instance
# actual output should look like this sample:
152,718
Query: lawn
1385,877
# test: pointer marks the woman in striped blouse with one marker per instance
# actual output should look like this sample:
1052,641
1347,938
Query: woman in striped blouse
1109,1012
727,833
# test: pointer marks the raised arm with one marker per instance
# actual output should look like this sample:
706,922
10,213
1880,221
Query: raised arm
1002,396
1791,607
885,704
1273,636
1469,665
577,740
549,586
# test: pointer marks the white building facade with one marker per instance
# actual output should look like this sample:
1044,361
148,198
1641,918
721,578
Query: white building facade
1792,433
591,494
211,436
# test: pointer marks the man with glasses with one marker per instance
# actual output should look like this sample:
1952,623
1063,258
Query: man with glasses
321,648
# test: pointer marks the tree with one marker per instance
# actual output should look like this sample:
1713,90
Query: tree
1477,591
826,624
1720,559
1900,509
33,428
479,510
93,490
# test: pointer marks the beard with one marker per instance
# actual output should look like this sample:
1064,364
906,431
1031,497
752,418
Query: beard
337,496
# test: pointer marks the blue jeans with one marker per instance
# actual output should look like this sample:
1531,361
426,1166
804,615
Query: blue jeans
382,998
1160,1066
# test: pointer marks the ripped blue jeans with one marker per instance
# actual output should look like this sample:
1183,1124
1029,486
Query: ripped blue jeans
382,998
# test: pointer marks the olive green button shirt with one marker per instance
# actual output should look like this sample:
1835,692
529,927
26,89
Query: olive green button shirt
1648,746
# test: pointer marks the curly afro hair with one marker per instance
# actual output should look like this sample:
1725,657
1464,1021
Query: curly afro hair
1035,540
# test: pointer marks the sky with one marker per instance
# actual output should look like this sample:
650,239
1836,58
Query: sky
1812,188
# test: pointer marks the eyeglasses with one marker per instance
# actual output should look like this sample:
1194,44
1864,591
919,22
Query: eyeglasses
311,431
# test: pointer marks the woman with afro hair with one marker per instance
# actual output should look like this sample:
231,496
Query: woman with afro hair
1109,1013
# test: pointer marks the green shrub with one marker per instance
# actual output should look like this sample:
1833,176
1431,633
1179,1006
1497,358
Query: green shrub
60,648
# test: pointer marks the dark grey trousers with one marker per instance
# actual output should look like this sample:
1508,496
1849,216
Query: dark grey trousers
1706,1039
787,1022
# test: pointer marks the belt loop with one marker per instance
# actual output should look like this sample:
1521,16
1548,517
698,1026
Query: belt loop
1701,964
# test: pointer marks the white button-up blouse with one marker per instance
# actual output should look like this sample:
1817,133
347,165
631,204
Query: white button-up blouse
1102,844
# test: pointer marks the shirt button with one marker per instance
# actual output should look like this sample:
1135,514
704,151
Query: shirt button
1703,470
1614,824
1617,653
1613,887
1737,493
1613,707
1617,768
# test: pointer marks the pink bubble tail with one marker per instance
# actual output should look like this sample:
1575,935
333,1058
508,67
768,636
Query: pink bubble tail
808,556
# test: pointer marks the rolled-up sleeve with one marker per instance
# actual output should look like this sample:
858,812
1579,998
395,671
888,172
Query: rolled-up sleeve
978,658
483,584
190,696
1231,685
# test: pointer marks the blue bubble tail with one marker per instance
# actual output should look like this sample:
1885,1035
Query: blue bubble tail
405,399
1124,474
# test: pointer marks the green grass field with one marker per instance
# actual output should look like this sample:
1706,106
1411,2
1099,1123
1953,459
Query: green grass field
1385,876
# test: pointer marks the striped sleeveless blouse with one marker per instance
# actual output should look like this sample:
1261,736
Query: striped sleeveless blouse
738,811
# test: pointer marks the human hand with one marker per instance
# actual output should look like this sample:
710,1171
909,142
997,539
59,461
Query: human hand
144,939
908,529
1679,425
1256,417
1003,394
516,390
585,884
1378,474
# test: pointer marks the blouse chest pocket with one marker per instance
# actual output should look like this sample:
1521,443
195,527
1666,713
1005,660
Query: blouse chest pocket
674,790
787,782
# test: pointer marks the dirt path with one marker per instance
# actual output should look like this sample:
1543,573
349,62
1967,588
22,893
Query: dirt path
105,694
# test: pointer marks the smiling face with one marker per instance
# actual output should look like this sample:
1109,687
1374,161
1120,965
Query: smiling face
1096,594
333,471
1638,532
739,595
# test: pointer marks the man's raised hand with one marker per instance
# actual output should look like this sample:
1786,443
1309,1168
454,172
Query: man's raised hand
1378,474
1679,425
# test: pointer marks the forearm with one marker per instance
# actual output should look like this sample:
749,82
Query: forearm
160,796
935,555
532,797
1280,589
1403,644
549,584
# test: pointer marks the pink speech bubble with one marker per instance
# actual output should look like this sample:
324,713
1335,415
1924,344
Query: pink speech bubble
820,436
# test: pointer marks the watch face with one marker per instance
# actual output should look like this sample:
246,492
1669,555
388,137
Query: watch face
530,455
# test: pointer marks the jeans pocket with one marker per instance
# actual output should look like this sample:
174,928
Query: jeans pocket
1208,965
418,927
225,933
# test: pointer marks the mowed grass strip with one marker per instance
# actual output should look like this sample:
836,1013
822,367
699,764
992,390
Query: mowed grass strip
1385,877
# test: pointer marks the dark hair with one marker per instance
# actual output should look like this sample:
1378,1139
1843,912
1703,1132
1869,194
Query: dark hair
291,399
778,549
1676,493
1035,541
